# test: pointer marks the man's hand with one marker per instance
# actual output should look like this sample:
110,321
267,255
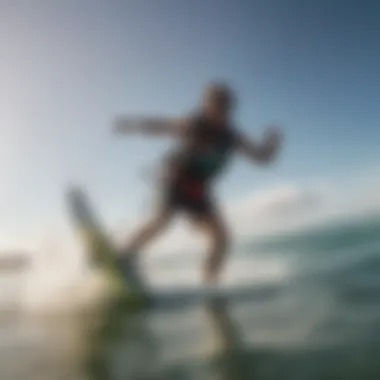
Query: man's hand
266,151
273,138
150,125
125,125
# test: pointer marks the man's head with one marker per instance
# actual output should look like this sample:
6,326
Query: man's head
218,101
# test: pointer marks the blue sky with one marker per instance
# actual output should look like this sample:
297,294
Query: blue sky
68,67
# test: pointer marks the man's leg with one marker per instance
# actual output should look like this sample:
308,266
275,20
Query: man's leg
148,232
126,261
213,225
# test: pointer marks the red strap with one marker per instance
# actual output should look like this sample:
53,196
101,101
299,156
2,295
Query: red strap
193,189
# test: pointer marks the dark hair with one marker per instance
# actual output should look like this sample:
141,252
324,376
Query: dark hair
221,92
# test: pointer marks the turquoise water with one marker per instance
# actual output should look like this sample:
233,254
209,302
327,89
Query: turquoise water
319,321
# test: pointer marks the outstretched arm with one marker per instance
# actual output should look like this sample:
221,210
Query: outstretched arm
174,127
263,152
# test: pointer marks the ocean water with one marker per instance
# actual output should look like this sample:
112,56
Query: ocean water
296,307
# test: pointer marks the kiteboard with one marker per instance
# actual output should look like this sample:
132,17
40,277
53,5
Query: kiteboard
102,252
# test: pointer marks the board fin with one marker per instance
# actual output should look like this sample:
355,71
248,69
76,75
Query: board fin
97,242
100,249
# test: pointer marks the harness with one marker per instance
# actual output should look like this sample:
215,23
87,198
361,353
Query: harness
204,154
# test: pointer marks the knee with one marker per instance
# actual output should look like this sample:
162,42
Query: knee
160,221
221,238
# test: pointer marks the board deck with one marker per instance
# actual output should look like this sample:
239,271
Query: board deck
99,246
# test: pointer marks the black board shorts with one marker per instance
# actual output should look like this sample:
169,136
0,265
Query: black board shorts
190,197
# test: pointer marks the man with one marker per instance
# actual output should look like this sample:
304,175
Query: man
206,143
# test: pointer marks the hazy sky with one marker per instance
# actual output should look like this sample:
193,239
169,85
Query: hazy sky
68,67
